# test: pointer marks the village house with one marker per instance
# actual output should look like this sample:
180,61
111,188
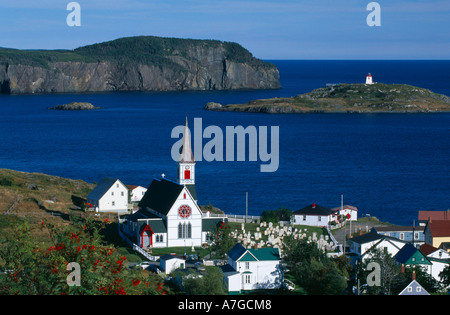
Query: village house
169,263
409,255
315,215
404,233
252,269
361,246
349,212
110,195
405,253
425,216
414,288
137,192
437,234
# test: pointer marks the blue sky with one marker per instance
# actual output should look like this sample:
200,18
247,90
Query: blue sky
283,29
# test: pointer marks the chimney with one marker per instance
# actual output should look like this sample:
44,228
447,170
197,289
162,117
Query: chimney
403,268
255,246
414,275
360,232
314,205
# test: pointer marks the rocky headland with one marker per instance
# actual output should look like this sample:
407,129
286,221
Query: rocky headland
144,63
348,98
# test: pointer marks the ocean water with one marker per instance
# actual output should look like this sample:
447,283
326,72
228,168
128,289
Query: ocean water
388,165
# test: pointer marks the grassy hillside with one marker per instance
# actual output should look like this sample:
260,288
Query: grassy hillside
358,98
22,193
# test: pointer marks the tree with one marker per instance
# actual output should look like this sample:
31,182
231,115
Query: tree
222,241
445,276
312,269
390,274
30,268
275,216
211,282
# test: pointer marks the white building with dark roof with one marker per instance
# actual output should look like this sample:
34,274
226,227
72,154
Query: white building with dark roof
168,214
315,215
110,195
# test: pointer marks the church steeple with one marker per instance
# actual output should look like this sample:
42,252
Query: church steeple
186,150
186,165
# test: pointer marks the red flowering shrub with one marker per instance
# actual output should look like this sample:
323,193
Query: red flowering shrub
29,268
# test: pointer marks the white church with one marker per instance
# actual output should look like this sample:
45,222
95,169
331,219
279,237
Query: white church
168,214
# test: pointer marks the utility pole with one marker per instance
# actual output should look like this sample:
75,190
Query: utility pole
246,206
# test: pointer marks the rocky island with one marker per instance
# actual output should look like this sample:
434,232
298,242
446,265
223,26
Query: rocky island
348,98
144,63
75,106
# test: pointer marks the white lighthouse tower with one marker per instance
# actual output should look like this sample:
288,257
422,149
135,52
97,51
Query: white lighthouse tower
369,79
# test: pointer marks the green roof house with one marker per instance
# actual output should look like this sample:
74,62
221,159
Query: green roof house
251,269
409,255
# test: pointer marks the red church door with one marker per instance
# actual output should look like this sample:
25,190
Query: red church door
146,237
187,174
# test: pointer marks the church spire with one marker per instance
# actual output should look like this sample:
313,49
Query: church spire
186,149
186,165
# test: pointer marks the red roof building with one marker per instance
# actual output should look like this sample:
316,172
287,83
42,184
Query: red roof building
437,233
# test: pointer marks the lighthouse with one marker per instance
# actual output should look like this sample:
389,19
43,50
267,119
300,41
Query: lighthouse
369,79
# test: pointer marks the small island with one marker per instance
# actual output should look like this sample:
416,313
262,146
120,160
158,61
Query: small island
348,98
75,106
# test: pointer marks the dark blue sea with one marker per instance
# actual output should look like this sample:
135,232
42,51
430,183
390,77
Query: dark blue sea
388,165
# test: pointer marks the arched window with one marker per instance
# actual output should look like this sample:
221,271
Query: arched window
180,230
189,230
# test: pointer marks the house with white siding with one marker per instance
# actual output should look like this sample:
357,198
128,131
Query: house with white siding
315,215
110,195
362,246
252,269
349,212
137,192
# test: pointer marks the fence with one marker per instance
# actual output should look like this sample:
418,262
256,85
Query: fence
341,249
244,218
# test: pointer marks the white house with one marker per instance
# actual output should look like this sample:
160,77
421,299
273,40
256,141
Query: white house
169,263
315,215
349,212
252,269
137,192
439,259
110,195
361,246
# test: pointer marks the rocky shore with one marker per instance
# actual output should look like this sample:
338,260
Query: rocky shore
348,98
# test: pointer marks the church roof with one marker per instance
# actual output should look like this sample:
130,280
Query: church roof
161,195
192,191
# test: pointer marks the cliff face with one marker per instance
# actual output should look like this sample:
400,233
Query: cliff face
197,66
